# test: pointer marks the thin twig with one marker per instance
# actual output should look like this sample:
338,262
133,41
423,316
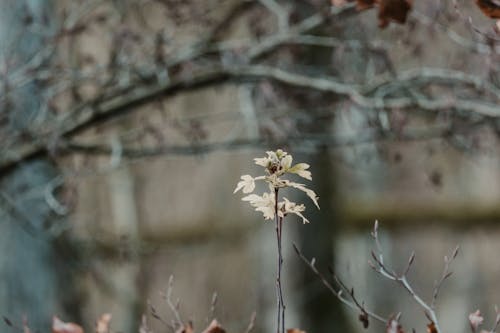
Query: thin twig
251,324
379,266
445,275
279,291
337,293
173,307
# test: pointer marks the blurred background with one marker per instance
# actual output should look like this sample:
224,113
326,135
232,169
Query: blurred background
126,124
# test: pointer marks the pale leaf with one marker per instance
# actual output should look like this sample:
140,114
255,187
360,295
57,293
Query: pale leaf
247,183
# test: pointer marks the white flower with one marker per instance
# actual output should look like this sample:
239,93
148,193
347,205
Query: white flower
263,204
247,183
300,170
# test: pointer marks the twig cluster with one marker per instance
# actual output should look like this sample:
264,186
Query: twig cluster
347,296
146,65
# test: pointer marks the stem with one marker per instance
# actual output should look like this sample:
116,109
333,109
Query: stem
279,291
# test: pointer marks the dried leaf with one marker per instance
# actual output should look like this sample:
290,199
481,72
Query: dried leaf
393,10
7,321
490,8
294,330
214,327
365,4
188,328
58,326
26,328
247,183
431,328
338,3
102,325
393,326
144,326
363,317
475,319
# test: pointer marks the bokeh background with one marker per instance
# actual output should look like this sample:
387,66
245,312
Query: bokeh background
125,126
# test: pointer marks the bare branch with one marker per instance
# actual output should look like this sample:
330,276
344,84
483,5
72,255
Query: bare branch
402,279
337,293
445,275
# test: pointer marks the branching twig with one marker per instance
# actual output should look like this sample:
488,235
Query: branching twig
173,307
355,305
445,275
379,266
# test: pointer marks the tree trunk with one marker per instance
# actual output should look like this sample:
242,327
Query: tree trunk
29,284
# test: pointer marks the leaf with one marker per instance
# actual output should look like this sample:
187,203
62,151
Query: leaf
393,326
393,10
247,183
144,328
363,318
308,192
295,330
490,8
475,319
338,3
264,204
289,207
300,170
431,328
365,4
214,327
286,162
188,328
58,326
102,325
7,321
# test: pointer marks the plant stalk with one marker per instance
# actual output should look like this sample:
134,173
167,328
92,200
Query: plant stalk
279,290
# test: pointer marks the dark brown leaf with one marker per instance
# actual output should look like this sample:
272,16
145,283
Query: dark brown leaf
393,10
490,8
214,327
365,4
188,328
7,321
431,328
363,317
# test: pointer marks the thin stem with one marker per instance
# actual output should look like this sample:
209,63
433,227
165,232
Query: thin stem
279,275
279,290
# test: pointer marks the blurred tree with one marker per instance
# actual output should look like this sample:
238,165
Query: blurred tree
30,281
